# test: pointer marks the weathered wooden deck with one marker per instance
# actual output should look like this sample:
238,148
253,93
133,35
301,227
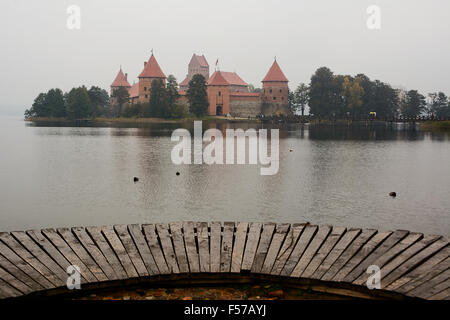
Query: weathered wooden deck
331,259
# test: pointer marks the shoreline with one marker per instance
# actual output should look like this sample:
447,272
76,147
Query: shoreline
140,120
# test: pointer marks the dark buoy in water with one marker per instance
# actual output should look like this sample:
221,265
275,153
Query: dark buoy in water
177,173
135,179
393,194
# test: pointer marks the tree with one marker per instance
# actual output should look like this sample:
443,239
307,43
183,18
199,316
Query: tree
324,94
384,99
413,104
197,96
50,104
99,100
172,90
301,97
251,88
121,96
78,103
352,93
439,105
158,99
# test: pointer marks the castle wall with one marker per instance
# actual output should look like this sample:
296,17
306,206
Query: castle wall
244,107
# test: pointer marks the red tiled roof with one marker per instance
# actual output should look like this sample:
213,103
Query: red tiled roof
134,90
201,60
217,79
226,78
152,69
120,80
275,74
245,94
185,82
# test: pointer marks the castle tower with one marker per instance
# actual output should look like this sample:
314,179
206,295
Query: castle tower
218,90
120,81
152,71
275,89
197,65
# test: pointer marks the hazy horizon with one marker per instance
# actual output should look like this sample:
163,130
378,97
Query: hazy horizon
39,52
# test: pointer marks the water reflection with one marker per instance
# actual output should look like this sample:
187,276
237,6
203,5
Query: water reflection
81,174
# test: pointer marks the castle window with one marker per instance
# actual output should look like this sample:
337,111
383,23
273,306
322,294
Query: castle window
282,98
146,96
281,90
270,90
274,98
220,93
145,88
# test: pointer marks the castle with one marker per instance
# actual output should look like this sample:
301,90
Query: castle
227,93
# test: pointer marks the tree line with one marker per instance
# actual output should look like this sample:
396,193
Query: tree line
78,103
330,95
82,103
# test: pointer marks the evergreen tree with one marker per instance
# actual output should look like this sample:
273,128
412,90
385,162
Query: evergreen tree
413,104
158,99
439,105
121,96
99,100
323,93
78,103
197,96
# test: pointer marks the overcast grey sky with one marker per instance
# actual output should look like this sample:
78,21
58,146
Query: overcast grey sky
39,52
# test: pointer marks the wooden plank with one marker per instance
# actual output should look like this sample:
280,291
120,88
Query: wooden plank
68,253
94,252
423,278
120,251
311,250
226,247
18,249
323,252
131,250
274,248
336,252
348,253
414,261
191,247
41,255
24,266
143,248
433,286
391,241
14,282
216,240
238,247
7,291
179,245
19,274
405,243
443,295
107,251
365,250
302,243
203,246
155,248
426,267
167,247
251,246
81,252
287,248
263,246
52,251
405,255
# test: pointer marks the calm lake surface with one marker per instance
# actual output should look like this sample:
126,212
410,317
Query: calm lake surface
55,176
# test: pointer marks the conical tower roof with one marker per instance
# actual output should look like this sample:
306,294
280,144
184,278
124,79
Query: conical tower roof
120,80
275,74
152,69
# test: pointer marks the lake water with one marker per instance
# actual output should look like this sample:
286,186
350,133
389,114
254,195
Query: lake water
54,176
